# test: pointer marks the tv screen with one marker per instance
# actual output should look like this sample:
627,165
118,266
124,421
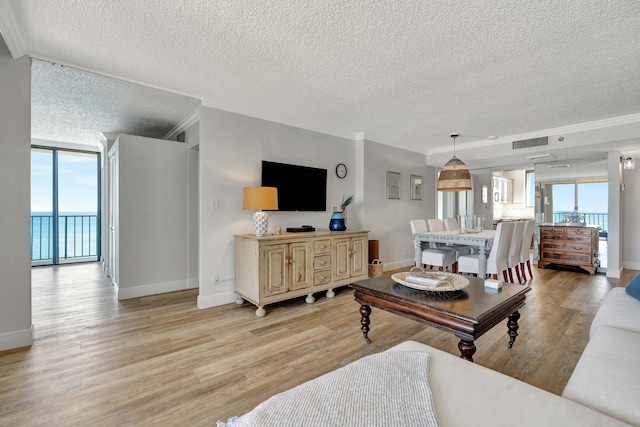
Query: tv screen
300,188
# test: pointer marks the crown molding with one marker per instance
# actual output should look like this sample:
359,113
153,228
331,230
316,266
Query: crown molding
11,32
184,124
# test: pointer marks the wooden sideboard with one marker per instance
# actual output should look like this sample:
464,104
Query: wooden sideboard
274,268
569,245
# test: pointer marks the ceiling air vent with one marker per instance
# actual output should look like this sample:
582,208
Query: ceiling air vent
528,143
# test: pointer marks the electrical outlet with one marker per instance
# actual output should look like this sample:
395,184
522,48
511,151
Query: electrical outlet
216,280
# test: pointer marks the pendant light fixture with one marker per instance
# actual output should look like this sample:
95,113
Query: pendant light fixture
454,176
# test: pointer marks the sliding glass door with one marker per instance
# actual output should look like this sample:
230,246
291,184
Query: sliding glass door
65,206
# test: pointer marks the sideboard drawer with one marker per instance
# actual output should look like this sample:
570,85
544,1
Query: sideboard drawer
322,262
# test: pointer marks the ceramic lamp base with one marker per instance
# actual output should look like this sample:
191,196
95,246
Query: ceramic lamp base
260,223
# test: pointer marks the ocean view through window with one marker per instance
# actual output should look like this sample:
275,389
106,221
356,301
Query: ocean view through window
65,219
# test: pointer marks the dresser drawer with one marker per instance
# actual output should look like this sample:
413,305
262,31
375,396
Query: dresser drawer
577,247
578,258
552,231
322,262
321,247
321,277
575,231
551,255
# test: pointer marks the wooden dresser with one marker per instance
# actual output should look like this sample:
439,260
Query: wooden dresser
569,245
274,268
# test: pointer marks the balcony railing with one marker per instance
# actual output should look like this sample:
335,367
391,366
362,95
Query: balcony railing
599,219
78,237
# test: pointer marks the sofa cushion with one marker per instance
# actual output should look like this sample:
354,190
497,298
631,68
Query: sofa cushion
607,376
619,310
633,288
467,394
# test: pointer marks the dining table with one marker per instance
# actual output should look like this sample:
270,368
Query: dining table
480,239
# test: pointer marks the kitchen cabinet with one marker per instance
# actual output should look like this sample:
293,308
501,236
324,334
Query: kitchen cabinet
275,268
569,245
502,190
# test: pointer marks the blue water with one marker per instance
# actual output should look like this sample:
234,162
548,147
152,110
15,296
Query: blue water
77,235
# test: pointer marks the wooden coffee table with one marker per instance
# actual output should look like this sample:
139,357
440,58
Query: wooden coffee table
467,313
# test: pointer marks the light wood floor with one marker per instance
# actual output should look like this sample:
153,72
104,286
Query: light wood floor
161,361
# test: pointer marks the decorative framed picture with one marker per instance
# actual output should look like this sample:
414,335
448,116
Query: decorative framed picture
485,193
416,187
393,185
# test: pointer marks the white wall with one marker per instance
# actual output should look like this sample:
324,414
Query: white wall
630,232
192,138
153,216
15,210
232,147
388,219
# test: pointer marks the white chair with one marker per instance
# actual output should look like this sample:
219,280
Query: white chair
497,259
434,257
450,224
435,224
525,249
513,259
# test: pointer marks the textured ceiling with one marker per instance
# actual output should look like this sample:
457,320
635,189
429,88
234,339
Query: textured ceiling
68,105
406,73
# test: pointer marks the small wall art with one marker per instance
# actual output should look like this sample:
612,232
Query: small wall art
416,187
393,185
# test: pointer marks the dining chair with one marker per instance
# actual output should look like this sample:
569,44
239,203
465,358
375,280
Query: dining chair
525,249
436,224
513,259
438,257
497,258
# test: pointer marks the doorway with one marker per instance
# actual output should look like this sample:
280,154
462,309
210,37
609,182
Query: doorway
65,206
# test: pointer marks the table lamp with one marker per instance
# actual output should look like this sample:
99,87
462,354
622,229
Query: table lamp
259,198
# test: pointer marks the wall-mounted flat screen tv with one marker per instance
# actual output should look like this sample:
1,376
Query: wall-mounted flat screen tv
300,188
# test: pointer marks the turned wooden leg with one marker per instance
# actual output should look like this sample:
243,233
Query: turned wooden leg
523,272
518,274
467,349
529,267
310,299
512,324
504,276
365,311
510,275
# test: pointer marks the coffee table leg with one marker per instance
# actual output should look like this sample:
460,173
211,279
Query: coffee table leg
467,349
512,324
365,311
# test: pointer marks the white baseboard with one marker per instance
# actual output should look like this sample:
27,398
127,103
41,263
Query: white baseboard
152,289
398,264
614,273
193,283
216,300
631,265
16,339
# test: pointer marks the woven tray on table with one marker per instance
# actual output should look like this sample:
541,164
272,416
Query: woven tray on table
431,280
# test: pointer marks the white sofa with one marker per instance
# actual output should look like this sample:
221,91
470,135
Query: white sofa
602,391
607,376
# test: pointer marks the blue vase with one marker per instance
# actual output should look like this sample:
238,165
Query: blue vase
337,222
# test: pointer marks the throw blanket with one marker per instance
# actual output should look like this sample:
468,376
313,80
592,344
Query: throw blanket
384,389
